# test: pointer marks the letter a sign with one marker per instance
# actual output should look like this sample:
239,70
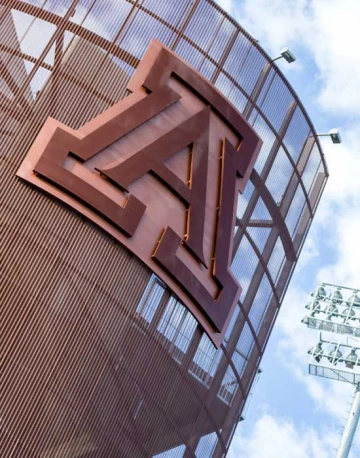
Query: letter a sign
160,171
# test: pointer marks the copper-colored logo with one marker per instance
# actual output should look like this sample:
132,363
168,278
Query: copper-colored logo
160,171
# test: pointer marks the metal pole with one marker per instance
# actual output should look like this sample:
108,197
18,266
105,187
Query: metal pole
350,427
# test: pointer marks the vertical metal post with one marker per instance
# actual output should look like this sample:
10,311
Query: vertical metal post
350,427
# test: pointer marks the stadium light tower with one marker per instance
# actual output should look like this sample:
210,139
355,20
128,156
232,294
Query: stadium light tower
336,310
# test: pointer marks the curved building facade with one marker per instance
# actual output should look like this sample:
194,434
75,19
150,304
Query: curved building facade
107,351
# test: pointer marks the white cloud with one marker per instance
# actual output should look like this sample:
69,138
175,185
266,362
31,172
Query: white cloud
278,437
345,270
228,5
337,35
309,254
327,30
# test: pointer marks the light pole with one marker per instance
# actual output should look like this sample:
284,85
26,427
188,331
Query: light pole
350,427
336,310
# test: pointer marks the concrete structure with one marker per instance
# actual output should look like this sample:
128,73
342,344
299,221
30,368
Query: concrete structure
101,357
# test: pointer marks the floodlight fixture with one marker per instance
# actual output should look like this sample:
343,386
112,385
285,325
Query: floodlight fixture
320,292
352,359
334,309
354,300
287,55
317,351
336,296
334,134
348,314
333,357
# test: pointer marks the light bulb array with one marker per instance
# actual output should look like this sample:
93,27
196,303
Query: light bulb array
334,309
336,353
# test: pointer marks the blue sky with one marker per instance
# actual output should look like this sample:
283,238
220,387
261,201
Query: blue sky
293,414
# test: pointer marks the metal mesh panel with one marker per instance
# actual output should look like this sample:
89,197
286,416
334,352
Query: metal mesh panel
193,55
243,200
151,299
207,68
206,445
250,70
170,11
261,211
293,217
268,138
276,102
246,341
239,362
232,323
198,29
112,18
177,327
229,386
260,303
312,168
33,34
206,361
276,260
279,176
318,181
224,84
244,265
235,95
177,452
137,39
223,36
259,236
237,55
296,134
99,357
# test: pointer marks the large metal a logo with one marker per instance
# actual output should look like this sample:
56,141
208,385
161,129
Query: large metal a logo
160,171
